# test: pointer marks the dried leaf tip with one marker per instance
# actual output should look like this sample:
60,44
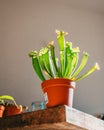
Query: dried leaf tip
97,67
51,43
58,32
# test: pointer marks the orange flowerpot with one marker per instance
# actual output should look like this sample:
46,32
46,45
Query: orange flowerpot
58,91
2,108
12,110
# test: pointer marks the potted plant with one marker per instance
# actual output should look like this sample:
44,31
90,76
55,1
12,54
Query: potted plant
10,108
59,75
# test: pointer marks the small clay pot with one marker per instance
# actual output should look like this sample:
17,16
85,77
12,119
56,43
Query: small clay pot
12,110
58,91
2,108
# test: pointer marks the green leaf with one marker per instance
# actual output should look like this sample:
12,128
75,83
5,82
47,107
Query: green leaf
53,58
96,67
8,97
44,60
61,43
37,68
81,66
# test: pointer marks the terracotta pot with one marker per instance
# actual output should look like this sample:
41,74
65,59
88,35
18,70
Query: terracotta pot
2,108
12,110
58,91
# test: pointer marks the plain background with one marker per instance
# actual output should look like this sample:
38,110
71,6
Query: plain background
27,25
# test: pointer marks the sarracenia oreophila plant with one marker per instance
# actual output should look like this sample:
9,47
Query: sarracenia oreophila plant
8,97
47,65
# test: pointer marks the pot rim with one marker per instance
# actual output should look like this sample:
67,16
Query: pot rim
59,81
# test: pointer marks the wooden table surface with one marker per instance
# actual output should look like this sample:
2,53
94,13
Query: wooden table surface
56,118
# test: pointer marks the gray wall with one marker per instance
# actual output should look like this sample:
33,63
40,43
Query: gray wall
29,24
